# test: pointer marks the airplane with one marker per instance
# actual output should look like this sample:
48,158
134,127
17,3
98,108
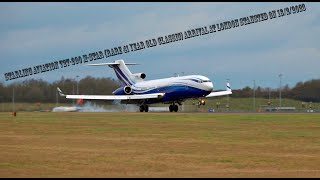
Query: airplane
136,90
75,108
66,109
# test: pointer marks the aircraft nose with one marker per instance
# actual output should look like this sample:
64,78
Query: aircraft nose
209,86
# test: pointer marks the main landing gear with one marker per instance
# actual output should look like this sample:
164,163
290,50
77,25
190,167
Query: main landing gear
173,107
144,107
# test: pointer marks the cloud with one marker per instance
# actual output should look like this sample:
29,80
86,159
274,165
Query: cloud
46,32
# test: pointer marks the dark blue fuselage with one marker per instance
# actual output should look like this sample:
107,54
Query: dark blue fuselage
172,93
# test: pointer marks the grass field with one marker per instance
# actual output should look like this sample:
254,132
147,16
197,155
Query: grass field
235,105
46,144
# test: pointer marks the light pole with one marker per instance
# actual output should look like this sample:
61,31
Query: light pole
254,95
269,94
269,102
57,100
77,84
72,93
2,103
13,107
280,75
228,97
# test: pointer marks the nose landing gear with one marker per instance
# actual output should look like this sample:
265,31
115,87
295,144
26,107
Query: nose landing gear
202,102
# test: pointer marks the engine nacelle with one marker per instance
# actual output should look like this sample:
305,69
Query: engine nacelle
140,75
127,90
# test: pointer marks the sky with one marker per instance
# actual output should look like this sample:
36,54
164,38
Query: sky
33,33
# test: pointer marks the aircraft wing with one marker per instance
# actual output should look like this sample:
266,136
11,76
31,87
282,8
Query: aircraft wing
113,97
221,93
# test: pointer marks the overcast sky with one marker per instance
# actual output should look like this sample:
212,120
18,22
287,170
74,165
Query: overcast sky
35,33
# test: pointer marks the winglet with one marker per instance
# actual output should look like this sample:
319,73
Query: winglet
228,88
60,92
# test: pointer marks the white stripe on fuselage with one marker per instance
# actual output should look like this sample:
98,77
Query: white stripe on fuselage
145,86
125,77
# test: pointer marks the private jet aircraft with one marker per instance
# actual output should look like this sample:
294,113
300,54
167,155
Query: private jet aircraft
136,90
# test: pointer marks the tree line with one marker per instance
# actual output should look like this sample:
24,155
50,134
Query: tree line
38,90
308,91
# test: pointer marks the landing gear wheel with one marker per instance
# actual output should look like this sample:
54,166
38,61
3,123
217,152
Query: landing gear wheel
171,108
141,108
175,108
146,108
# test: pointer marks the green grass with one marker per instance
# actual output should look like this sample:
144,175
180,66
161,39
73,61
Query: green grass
41,144
235,105
247,104
20,106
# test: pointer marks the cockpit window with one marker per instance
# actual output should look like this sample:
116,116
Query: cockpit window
205,81
199,80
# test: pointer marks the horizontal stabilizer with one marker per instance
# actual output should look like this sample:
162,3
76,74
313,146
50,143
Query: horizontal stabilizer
108,64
